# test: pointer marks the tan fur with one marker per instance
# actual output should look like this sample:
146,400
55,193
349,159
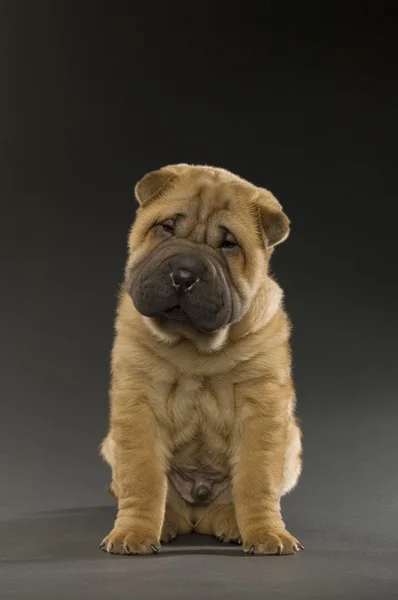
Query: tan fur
226,399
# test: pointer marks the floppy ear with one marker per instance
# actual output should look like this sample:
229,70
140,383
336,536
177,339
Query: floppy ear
154,184
275,223
276,226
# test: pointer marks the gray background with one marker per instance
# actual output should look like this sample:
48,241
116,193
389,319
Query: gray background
301,99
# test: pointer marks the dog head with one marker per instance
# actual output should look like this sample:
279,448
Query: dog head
200,246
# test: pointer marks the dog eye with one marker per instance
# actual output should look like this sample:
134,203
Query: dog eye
168,226
228,244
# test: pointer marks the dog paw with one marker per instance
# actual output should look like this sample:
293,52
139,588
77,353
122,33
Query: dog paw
169,532
138,540
225,525
262,541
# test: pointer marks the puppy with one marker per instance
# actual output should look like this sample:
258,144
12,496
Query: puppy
203,435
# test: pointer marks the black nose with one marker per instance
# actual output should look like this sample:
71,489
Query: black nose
183,280
186,271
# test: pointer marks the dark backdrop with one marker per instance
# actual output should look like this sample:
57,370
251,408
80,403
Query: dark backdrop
299,97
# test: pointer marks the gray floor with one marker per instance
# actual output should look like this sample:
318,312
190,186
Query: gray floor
53,555
344,511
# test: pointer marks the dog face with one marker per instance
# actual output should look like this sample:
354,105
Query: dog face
199,247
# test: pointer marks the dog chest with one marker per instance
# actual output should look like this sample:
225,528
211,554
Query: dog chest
197,417
188,400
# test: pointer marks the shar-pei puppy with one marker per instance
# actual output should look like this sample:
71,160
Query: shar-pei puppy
203,435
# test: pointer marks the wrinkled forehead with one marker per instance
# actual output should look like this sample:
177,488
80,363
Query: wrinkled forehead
211,197
206,200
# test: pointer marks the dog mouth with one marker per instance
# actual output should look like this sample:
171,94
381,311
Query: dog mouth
178,315
175,313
